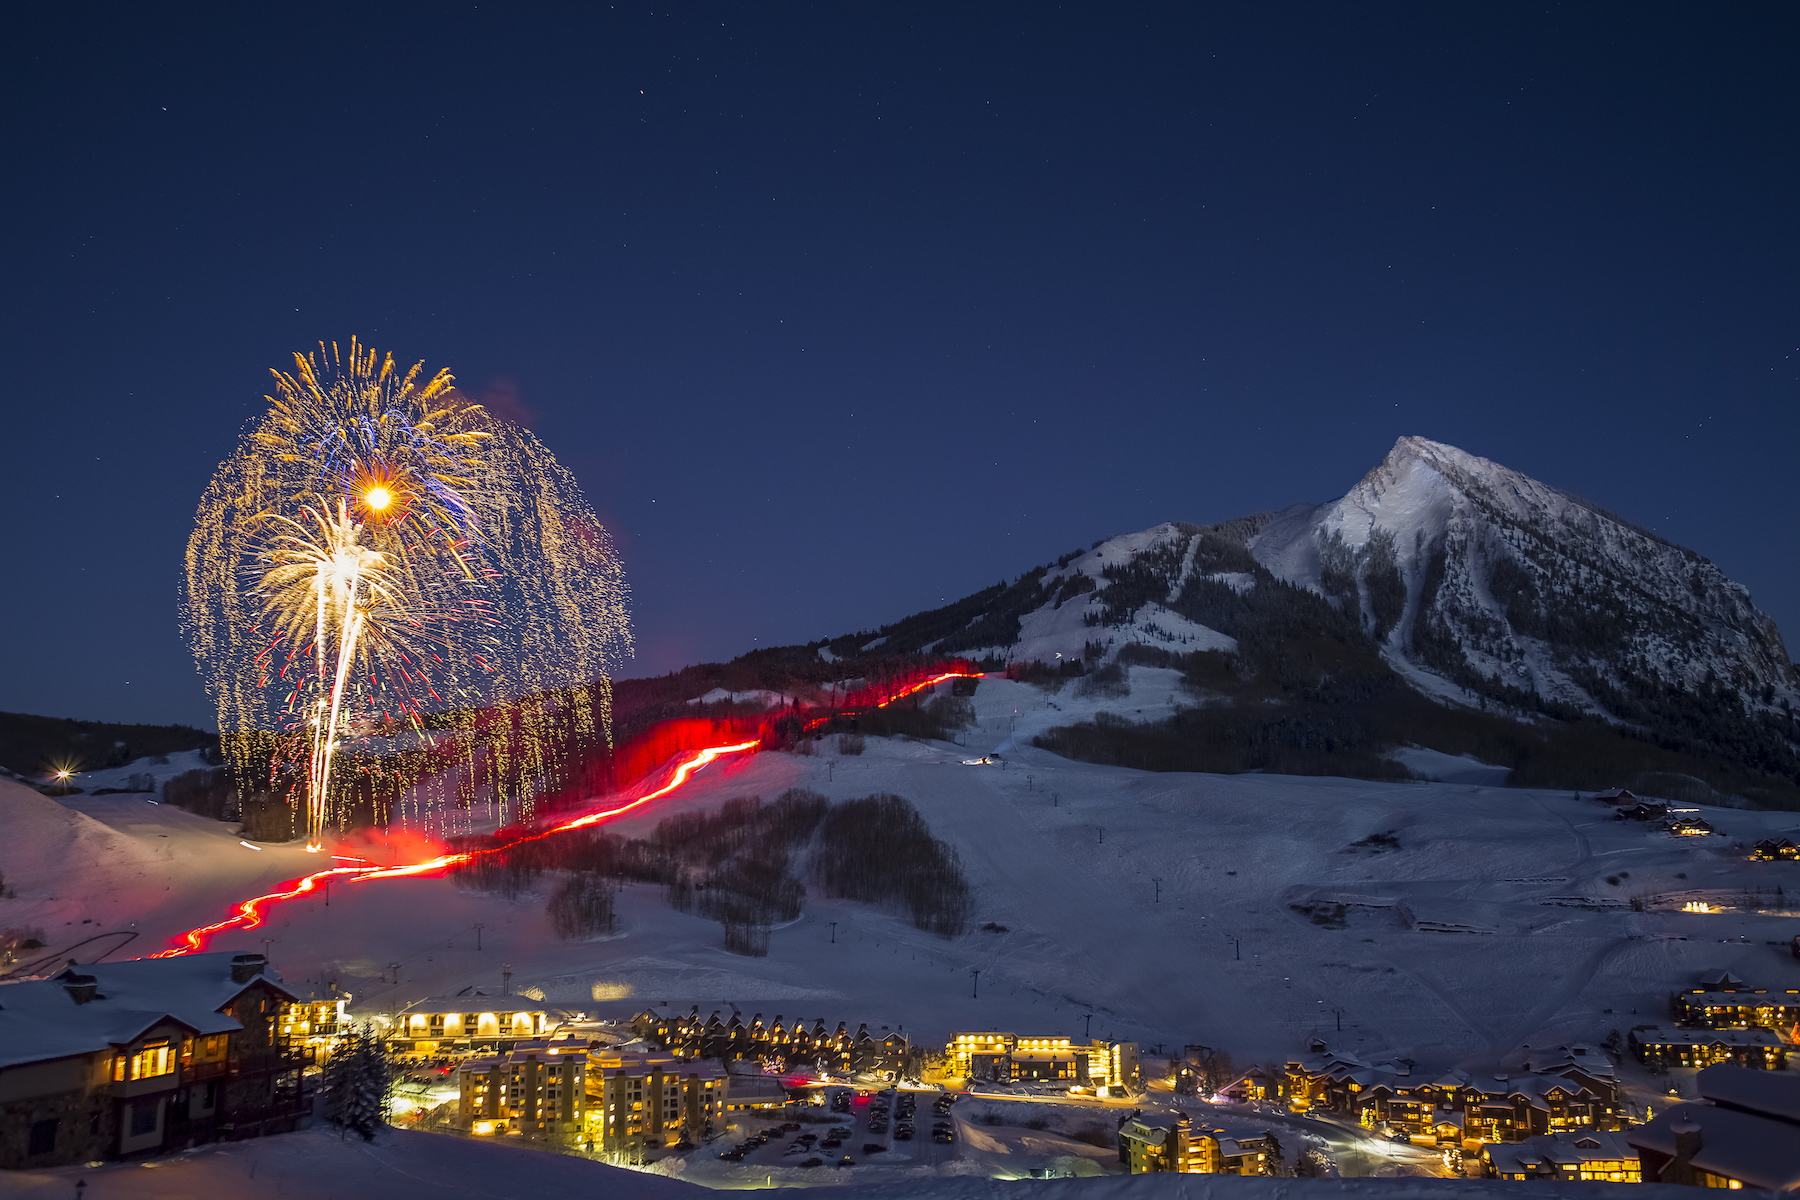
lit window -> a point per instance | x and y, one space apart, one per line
156 1058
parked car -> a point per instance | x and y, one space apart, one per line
813 1162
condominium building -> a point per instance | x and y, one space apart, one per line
638 1100
535 1090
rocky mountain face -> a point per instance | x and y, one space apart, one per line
1473 584
1486 579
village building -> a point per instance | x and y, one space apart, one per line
1643 812
1576 1154
1776 850
114 1059
1005 1057
1744 1133
1615 796
1663 1046
536 1090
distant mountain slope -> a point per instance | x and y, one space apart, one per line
1473 583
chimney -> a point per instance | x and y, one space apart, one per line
1687 1139
245 967
81 987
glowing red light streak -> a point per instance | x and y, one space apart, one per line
249 914
932 682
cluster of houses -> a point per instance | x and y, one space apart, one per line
781 1045
1682 822
1775 850
1558 1119
153 1055
1004 1057
1560 1088
1743 1132
1721 1021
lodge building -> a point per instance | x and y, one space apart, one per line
1014 1058
463 1026
114 1059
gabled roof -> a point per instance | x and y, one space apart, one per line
40 1020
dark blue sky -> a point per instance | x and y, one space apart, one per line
839 310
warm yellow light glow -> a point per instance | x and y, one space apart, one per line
1697 906
378 498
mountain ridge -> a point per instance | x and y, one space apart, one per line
1471 582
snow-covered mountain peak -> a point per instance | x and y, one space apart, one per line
1473 571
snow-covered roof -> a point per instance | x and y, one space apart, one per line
1759 1151
41 1020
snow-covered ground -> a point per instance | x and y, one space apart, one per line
1065 859
418 1166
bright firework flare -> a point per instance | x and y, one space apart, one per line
379 555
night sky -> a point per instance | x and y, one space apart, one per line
839 311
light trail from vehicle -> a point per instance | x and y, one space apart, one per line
249 913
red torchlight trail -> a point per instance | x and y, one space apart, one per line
249 914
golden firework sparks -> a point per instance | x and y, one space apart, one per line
380 554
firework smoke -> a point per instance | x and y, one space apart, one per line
381 555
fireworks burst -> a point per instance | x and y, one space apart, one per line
381 556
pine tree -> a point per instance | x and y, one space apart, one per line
357 1083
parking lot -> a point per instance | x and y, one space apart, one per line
854 1130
